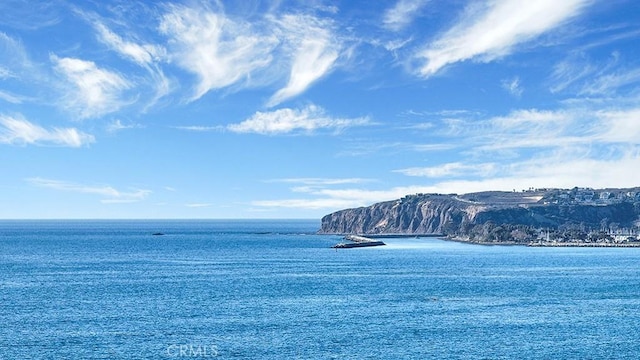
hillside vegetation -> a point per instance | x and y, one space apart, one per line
496 216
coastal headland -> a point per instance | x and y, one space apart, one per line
535 217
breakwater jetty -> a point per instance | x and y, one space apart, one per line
354 241
404 235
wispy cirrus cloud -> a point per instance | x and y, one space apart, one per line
513 86
19 131
610 83
92 91
148 56
573 146
311 185
315 50
334 199
555 171
322 181
570 71
367 147
587 77
225 52
331 193
5 73
143 55
433 147
545 148
28 15
198 205
284 121
118 125
14 60
453 169
519 129
617 126
534 128
110 194
218 50
402 14
564 168
11 98
308 204
488 32
199 128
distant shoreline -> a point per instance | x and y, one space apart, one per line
581 244
509 243
484 243
543 243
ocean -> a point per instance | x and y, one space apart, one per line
274 289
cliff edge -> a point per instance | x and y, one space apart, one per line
493 215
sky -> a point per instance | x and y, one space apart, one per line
295 109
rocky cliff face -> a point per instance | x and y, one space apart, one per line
453 214
415 215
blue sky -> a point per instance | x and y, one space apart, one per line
294 109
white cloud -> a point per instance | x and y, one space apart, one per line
421 126
433 147
570 71
94 91
197 205
488 33
394 45
520 129
574 146
120 201
315 54
226 52
322 181
324 193
22 132
117 125
592 78
334 199
556 129
402 14
141 54
312 185
15 63
618 126
217 49
610 83
199 128
308 204
513 86
146 55
30 15
559 171
110 194
11 98
287 120
450 170
12 55
5 73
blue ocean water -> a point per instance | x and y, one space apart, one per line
275 290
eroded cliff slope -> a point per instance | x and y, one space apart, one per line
462 214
